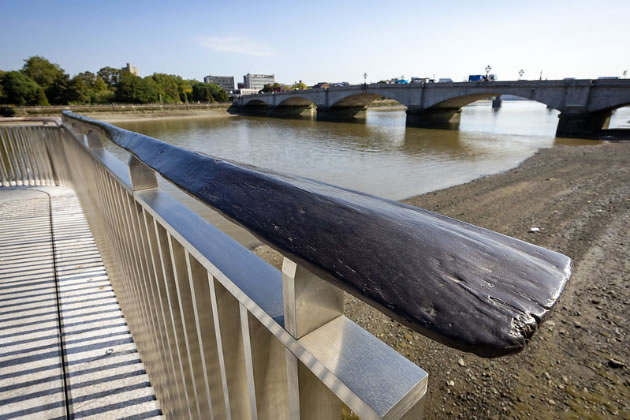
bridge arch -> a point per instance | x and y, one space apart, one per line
256 102
461 100
296 100
349 99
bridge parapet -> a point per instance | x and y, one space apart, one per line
586 103
223 333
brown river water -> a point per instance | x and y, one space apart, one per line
380 156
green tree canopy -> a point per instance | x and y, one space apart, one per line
208 92
185 89
168 87
42 71
134 89
298 86
51 77
88 88
269 87
19 89
110 76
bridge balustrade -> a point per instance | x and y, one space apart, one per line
225 335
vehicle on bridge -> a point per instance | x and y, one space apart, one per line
422 80
482 78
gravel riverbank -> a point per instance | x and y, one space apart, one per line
578 364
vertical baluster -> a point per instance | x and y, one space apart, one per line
40 150
28 138
27 173
270 376
230 338
184 298
206 335
249 365
131 266
159 354
5 165
172 379
14 156
149 350
176 322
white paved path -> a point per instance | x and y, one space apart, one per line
59 315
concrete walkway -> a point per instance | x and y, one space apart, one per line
65 350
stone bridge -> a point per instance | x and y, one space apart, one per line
585 105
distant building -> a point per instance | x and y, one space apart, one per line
258 81
131 69
226 82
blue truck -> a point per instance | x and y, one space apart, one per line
481 77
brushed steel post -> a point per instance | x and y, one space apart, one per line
309 302
142 177
94 140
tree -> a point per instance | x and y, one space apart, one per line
208 92
185 89
134 89
50 77
19 89
167 86
270 88
110 76
298 86
42 71
88 88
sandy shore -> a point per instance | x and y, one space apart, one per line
578 364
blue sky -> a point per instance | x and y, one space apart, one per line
323 40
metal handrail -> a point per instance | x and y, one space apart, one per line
222 334
461 285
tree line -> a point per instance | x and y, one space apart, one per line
41 82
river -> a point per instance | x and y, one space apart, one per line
380 156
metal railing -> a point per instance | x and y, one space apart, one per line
225 335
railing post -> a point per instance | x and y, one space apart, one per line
141 176
309 303
93 140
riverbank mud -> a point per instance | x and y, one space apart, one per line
578 364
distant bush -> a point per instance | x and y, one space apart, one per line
7 110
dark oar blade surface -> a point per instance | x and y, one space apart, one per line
462 285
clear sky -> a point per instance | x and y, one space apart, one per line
323 40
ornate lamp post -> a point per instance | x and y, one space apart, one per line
521 72
488 68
